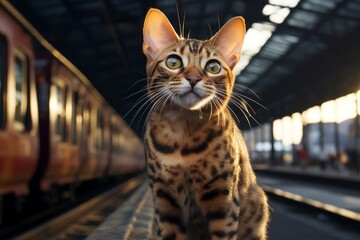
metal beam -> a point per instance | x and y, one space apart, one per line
106 11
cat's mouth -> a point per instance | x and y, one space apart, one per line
190 100
190 93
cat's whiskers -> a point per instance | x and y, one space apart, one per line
241 107
138 111
162 100
232 97
217 104
244 88
158 94
200 113
144 88
211 110
148 105
242 96
136 104
240 99
208 91
161 95
168 96
138 81
148 101
230 109
250 99
145 100
156 103
153 106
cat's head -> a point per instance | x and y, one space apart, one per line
189 73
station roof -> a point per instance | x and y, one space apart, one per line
297 53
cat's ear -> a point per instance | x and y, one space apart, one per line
158 33
229 40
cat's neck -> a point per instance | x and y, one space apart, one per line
179 116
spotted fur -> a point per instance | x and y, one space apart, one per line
197 162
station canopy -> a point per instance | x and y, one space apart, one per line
296 53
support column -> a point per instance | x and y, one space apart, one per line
337 137
357 125
272 150
321 137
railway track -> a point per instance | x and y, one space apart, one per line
129 217
133 220
315 194
82 220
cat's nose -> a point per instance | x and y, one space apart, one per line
193 78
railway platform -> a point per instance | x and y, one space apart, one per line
311 171
133 219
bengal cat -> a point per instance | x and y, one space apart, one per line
197 162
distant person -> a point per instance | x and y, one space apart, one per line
343 160
303 157
353 160
323 158
334 161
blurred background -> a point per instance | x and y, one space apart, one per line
77 117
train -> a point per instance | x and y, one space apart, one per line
56 130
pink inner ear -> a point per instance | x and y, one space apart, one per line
229 40
158 33
233 59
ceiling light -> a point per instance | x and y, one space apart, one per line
280 15
284 3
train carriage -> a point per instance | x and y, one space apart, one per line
56 131
19 141
60 152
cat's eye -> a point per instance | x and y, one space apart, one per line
173 62
213 66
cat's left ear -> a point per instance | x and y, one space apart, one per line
158 33
229 40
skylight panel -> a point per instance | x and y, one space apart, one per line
320 5
255 38
260 33
285 3
276 14
303 19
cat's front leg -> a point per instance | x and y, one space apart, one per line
168 213
221 209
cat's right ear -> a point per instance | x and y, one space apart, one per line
158 33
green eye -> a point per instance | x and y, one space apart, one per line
213 66
173 62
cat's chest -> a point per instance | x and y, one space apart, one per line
173 146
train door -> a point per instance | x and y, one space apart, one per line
18 139
100 142
84 138
18 122
114 147
3 74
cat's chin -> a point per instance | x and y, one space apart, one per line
191 101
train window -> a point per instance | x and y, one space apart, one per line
60 101
3 60
99 130
21 79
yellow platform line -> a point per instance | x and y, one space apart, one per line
314 203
